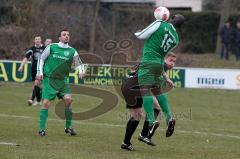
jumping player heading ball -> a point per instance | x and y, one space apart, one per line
160 38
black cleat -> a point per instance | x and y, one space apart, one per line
153 129
42 133
70 131
170 127
127 147
146 140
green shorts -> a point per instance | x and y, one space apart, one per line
52 88
150 74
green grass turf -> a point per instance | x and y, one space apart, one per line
207 128
207 61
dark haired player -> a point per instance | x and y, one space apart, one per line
54 67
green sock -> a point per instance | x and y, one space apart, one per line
148 108
68 115
43 118
163 102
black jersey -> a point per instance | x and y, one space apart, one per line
34 52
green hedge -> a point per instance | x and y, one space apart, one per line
199 33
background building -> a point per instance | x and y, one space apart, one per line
193 5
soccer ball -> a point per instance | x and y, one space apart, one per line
161 13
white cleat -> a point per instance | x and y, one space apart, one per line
30 102
35 103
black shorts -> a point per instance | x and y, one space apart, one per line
131 93
34 73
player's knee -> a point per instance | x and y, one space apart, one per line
36 83
136 114
140 114
68 100
135 117
46 104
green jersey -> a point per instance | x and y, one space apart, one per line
55 65
160 42
58 61
160 38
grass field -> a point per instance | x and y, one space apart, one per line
210 60
207 128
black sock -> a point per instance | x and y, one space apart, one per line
130 129
145 128
38 93
156 113
34 92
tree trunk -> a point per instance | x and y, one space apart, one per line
93 28
113 24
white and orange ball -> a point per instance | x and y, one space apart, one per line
162 13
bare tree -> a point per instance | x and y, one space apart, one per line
93 28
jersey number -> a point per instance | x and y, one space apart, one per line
167 42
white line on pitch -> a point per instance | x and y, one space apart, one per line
122 126
9 143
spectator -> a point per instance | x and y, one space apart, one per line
226 38
236 38
47 42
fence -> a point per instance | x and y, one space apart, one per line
113 75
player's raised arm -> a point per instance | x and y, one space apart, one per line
148 31
24 61
168 80
79 65
41 60
28 54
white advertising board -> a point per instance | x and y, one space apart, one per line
212 78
